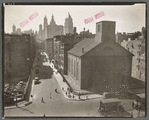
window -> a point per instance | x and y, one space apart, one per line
68 64
109 27
132 46
139 53
140 75
98 28
77 70
71 66
138 60
139 46
138 66
74 68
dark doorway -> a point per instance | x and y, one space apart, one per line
90 81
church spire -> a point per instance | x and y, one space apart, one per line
52 22
69 15
45 19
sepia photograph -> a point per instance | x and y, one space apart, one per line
74 60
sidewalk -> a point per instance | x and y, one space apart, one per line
68 95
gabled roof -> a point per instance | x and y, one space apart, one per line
87 44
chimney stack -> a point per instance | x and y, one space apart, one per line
105 30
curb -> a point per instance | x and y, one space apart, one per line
19 105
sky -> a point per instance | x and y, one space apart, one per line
128 18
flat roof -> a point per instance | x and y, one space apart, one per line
110 100
141 95
105 21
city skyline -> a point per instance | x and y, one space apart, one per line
132 15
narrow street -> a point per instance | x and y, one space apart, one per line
57 105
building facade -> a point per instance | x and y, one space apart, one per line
56 53
49 30
126 36
68 25
137 48
49 47
96 64
18 57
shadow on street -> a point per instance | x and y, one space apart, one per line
25 109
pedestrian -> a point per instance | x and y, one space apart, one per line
56 90
42 100
63 89
50 96
79 95
131 115
73 96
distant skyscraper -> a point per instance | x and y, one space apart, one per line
45 27
49 31
68 25
13 29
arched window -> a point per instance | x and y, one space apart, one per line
109 51
68 64
74 69
107 80
123 79
77 71
71 66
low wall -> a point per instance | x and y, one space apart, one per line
28 89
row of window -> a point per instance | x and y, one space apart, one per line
107 80
138 67
73 68
133 46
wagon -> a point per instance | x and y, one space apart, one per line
107 105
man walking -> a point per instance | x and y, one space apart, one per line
56 90
50 96
42 100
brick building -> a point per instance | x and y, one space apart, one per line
125 36
19 52
137 48
66 44
49 47
56 53
96 64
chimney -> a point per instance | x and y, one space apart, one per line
74 30
105 30
82 50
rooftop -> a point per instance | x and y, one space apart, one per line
87 44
